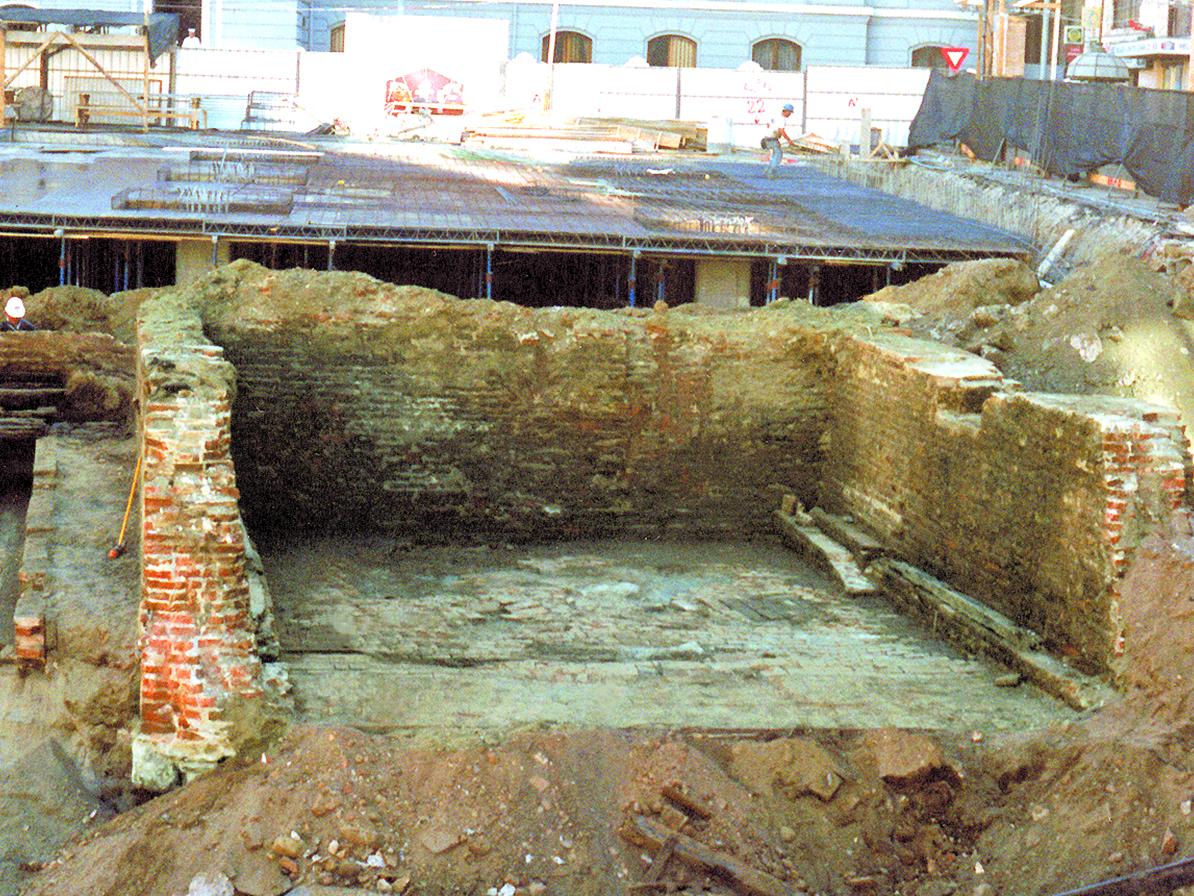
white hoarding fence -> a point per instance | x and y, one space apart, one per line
838 95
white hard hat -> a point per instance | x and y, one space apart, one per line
14 307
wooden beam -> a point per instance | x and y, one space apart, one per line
3 106
745 879
41 48
99 68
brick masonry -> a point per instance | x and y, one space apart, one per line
1032 503
427 416
95 370
35 576
399 409
202 683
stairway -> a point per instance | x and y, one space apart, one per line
28 405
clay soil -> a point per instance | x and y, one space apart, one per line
843 812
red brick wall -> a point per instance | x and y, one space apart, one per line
1031 503
198 643
29 616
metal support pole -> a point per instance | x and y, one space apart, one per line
633 277
331 255
215 250
127 263
61 234
814 284
489 271
772 281
661 285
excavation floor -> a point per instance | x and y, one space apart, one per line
449 642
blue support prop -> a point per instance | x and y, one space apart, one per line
772 281
489 271
62 259
633 277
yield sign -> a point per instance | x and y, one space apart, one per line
954 57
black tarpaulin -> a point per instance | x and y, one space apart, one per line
163 26
1067 128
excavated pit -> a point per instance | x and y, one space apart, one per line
476 517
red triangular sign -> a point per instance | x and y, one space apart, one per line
954 57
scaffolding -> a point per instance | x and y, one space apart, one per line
95 64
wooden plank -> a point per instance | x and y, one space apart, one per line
24 398
861 544
973 626
826 552
744 878
684 801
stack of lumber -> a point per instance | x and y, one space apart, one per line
593 134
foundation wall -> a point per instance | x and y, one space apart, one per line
201 676
1031 503
94 368
445 418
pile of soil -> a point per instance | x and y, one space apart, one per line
961 287
543 813
77 309
1108 328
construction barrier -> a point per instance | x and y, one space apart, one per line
1067 129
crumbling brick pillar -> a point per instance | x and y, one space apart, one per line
202 687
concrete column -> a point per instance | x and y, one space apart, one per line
192 259
723 282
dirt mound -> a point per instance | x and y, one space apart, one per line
542 813
964 286
1108 328
75 309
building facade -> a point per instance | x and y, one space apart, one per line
708 34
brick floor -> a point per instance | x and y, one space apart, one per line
443 641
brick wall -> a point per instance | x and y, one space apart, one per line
202 684
1032 503
96 370
29 615
444 418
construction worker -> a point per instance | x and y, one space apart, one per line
777 135
14 317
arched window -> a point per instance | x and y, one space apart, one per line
777 55
336 38
571 46
672 50
928 57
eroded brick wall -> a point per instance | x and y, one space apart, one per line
405 410
1032 503
201 677
95 370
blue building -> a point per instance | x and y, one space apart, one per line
780 36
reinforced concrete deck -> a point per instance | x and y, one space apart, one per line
330 189
450 642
